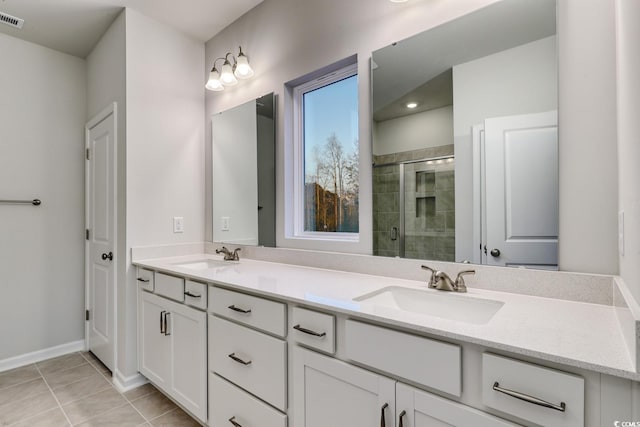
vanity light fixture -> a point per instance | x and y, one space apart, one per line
412 105
229 74
398 1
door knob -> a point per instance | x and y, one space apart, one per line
108 256
495 253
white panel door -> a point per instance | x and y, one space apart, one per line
101 226
329 392
521 158
416 408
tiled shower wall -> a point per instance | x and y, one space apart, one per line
429 205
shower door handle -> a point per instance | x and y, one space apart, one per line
394 233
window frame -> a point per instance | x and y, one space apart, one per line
298 156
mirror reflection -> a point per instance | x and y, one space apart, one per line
243 163
465 140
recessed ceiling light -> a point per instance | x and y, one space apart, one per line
412 105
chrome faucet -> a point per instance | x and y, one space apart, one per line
228 255
441 281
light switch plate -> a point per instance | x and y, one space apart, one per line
225 223
178 224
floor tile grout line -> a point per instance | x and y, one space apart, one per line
22 382
104 413
110 380
100 371
163 414
54 396
134 406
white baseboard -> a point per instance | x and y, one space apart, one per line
124 384
40 355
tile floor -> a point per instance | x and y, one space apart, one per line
75 389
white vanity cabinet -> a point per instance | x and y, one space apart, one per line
330 392
247 360
172 350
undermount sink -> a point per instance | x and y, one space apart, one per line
461 308
204 264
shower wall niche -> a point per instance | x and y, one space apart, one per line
414 205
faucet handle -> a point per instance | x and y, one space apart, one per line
460 285
236 257
432 280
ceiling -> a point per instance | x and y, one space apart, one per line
75 26
404 70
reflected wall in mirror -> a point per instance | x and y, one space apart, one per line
243 163
465 139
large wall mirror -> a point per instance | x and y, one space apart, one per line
243 165
465 146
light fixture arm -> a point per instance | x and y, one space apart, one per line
214 63
227 74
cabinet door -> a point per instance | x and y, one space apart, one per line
188 330
154 346
328 392
416 408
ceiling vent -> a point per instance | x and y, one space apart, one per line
11 20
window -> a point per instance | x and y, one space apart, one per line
326 155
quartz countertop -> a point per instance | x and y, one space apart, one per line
577 334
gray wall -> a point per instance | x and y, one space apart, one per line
106 83
42 116
587 137
628 57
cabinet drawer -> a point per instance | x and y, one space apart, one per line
195 294
252 360
425 361
313 329
228 402
260 313
169 286
502 376
145 279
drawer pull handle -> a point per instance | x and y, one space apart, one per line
309 331
166 322
530 399
162 324
140 279
400 417
382 422
232 420
237 359
238 309
189 294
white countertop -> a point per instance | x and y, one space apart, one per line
577 334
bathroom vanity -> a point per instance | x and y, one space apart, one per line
301 346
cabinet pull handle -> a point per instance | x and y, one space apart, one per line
237 359
400 417
238 309
382 422
162 324
166 329
140 279
189 294
232 420
309 331
562 407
